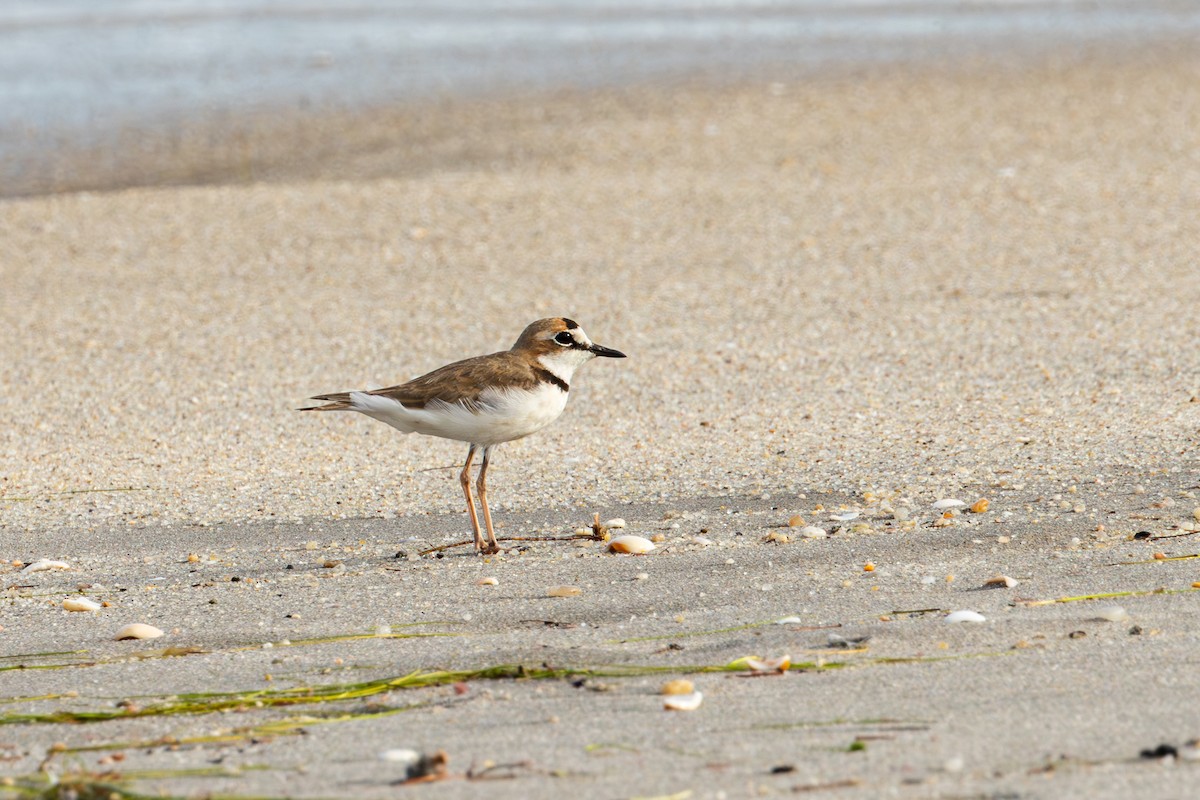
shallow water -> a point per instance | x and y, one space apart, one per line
74 73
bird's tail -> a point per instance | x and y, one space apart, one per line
339 401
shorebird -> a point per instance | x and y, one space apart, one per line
484 401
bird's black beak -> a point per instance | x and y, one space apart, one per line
606 352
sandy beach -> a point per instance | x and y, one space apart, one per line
867 290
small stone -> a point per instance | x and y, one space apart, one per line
812 532
980 506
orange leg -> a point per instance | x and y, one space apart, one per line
481 485
465 479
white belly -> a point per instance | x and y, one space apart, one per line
498 417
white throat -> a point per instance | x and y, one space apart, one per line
563 364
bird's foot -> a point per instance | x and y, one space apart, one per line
490 549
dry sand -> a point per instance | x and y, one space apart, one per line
866 290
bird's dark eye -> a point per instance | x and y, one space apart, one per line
564 338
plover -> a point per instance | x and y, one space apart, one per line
484 401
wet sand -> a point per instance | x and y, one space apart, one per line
870 290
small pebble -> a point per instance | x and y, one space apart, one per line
813 532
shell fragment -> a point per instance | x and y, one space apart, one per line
80 604
682 702
768 665
965 616
633 545
45 564
564 591
948 503
677 687
1112 614
138 630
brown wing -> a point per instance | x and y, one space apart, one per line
460 382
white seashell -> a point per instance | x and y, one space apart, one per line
584 532
1112 614
80 604
615 522
682 702
702 541
845 516
965 616
789 621
812 532
400 755
779 664
44 564
138 630
1000 581
488 581
950 502
636 545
